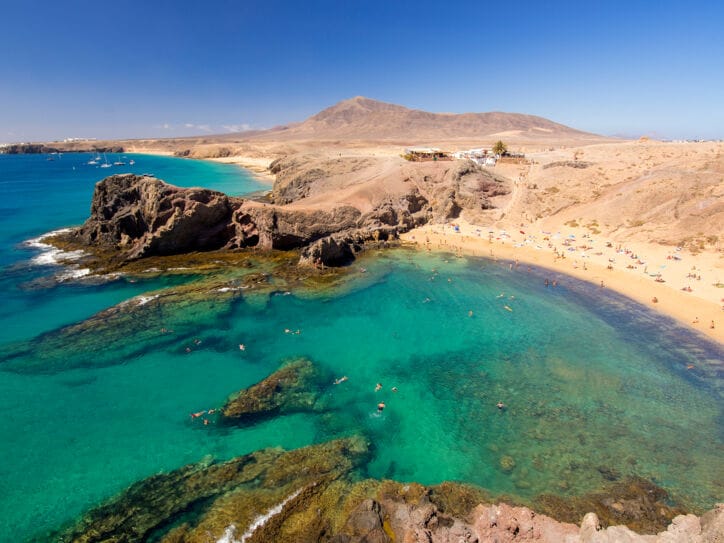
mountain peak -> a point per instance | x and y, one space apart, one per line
360 117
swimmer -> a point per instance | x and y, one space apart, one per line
501 295
380 407
378 387
470 313
211 411
394 389
341 380
197 415
242 347
188 349
197 341
287 331
206 422
500 405
164 330
508 308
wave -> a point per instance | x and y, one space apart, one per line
230 532
52 256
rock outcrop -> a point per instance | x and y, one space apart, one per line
289 389
140 216
312 494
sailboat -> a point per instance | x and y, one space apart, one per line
105 164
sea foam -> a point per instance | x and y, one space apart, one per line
230 532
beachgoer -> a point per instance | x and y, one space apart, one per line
695 321
378 387
380 407
340 380
470 313
508 308
500 405
242 347
394 389
188 349
711 325
655 300
206 422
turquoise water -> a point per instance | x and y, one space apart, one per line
595 386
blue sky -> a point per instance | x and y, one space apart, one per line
171 68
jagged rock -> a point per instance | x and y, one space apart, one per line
289 389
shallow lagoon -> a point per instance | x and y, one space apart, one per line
596 388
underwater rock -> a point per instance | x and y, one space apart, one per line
507 463
287 390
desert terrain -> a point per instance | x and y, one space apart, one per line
644 217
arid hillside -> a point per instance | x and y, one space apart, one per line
664 193
361 118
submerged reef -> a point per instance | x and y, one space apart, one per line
166 318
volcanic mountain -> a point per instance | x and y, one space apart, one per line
362 118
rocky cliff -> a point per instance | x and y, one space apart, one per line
327 207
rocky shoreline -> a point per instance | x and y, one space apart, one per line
320 493
136 217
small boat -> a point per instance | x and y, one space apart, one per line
132 162
105 164
119 163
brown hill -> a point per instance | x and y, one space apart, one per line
362 118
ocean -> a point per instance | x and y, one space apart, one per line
595 386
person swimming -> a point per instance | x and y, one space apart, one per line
341 380
380 407
394 389
378 387
242 347
500 405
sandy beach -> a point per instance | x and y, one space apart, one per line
259 167
640 271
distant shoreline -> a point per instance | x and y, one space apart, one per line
257 167
683 306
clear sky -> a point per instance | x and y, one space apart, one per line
161 68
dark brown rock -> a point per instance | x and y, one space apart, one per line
291 388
